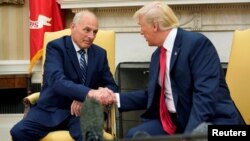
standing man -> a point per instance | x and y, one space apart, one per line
74 69
186 85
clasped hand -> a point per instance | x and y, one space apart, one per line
104 95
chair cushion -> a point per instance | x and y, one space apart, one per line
58 136
64 135
108 136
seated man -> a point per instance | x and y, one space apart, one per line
187 88
74 69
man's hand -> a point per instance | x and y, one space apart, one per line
76 108
104 95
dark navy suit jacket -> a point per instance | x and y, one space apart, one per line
198 86
62 82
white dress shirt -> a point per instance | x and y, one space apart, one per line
168 45
78 54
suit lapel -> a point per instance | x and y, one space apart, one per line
174 55
92 59
176 49
154 71
155 65
73 56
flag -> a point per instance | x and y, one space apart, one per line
45 16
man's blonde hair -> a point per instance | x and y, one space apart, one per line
158 12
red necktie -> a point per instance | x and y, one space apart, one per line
166 121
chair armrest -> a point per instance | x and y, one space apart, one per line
110 123
29 100
107 136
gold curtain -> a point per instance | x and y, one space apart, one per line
11 1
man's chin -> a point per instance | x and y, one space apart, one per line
150 44
86 46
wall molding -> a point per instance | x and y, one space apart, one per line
194 15
69 4
8 67
14 67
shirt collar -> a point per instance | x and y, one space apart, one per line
169 41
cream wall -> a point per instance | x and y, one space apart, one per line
14 38
14 32
138 50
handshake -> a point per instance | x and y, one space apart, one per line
103 95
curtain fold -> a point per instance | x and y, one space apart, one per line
12 1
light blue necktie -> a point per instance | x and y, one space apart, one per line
83 65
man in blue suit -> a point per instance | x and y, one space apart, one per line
64 90
194 88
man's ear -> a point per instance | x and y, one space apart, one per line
72 25
155 26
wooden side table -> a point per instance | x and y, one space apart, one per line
12 81
13 88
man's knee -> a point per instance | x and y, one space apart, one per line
131 133
16 133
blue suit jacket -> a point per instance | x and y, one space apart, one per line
198 86
62 80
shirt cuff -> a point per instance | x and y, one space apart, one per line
118 100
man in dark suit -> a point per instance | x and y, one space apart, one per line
64 88
193 87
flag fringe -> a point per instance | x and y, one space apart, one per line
34 60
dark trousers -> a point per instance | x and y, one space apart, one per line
26 130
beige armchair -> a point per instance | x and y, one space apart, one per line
238 72
105 39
